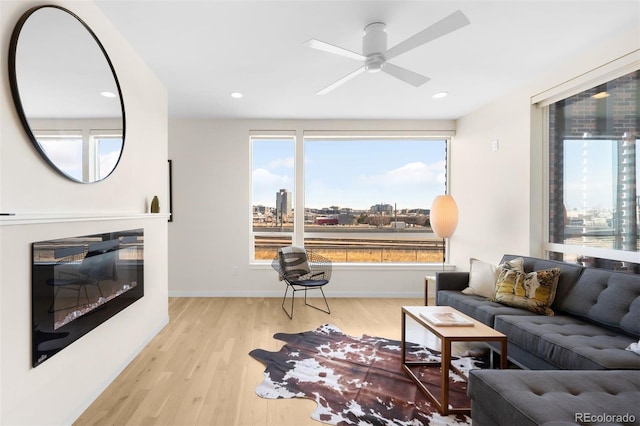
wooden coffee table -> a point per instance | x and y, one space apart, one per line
478 332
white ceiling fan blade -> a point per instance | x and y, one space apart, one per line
326 47
443 27
413 78
341 81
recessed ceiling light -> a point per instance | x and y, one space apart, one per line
600 95
440 95
236 95
108 94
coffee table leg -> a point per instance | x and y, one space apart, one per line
503 354
445 364
403 338
426 291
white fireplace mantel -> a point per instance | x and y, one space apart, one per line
40 218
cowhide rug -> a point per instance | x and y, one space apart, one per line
358 380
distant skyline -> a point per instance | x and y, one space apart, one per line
408 173
352 173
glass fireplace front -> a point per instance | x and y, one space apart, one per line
80 282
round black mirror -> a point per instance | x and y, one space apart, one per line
66 93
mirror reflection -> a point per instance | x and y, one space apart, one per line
67 93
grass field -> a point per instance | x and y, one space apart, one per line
369 255
387 246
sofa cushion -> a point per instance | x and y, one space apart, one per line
513 397
533 291
609 298
569 343
477 306
569 274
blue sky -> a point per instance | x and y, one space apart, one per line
353 173
589 174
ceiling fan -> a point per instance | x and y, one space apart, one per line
375 53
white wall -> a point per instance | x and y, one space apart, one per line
210 233
492 188
500 194
59 390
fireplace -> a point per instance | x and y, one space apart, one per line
80 282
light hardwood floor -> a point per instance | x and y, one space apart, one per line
197 370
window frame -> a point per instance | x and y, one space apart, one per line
608 72
265 135
93 151
298 234
89 149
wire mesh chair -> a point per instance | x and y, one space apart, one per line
302 269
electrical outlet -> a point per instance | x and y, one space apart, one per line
495 145
235 270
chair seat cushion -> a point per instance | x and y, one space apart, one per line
309 283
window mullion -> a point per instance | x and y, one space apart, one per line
298 223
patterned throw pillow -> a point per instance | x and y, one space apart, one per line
534 291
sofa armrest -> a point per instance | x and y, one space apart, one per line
452 281
456 281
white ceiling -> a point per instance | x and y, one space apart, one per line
204 50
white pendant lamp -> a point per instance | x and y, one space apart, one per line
444 219
444 216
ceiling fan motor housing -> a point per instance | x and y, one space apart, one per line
374 40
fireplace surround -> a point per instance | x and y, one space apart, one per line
80 282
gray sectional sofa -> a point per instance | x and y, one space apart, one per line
596 317
554 398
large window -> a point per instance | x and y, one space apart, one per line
593 175
365 199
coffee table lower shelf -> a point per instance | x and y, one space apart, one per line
479 332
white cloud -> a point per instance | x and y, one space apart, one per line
266 178
108 162
412 185
65 155
278 163
411 173
266 184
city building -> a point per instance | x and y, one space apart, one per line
283 205
382 208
